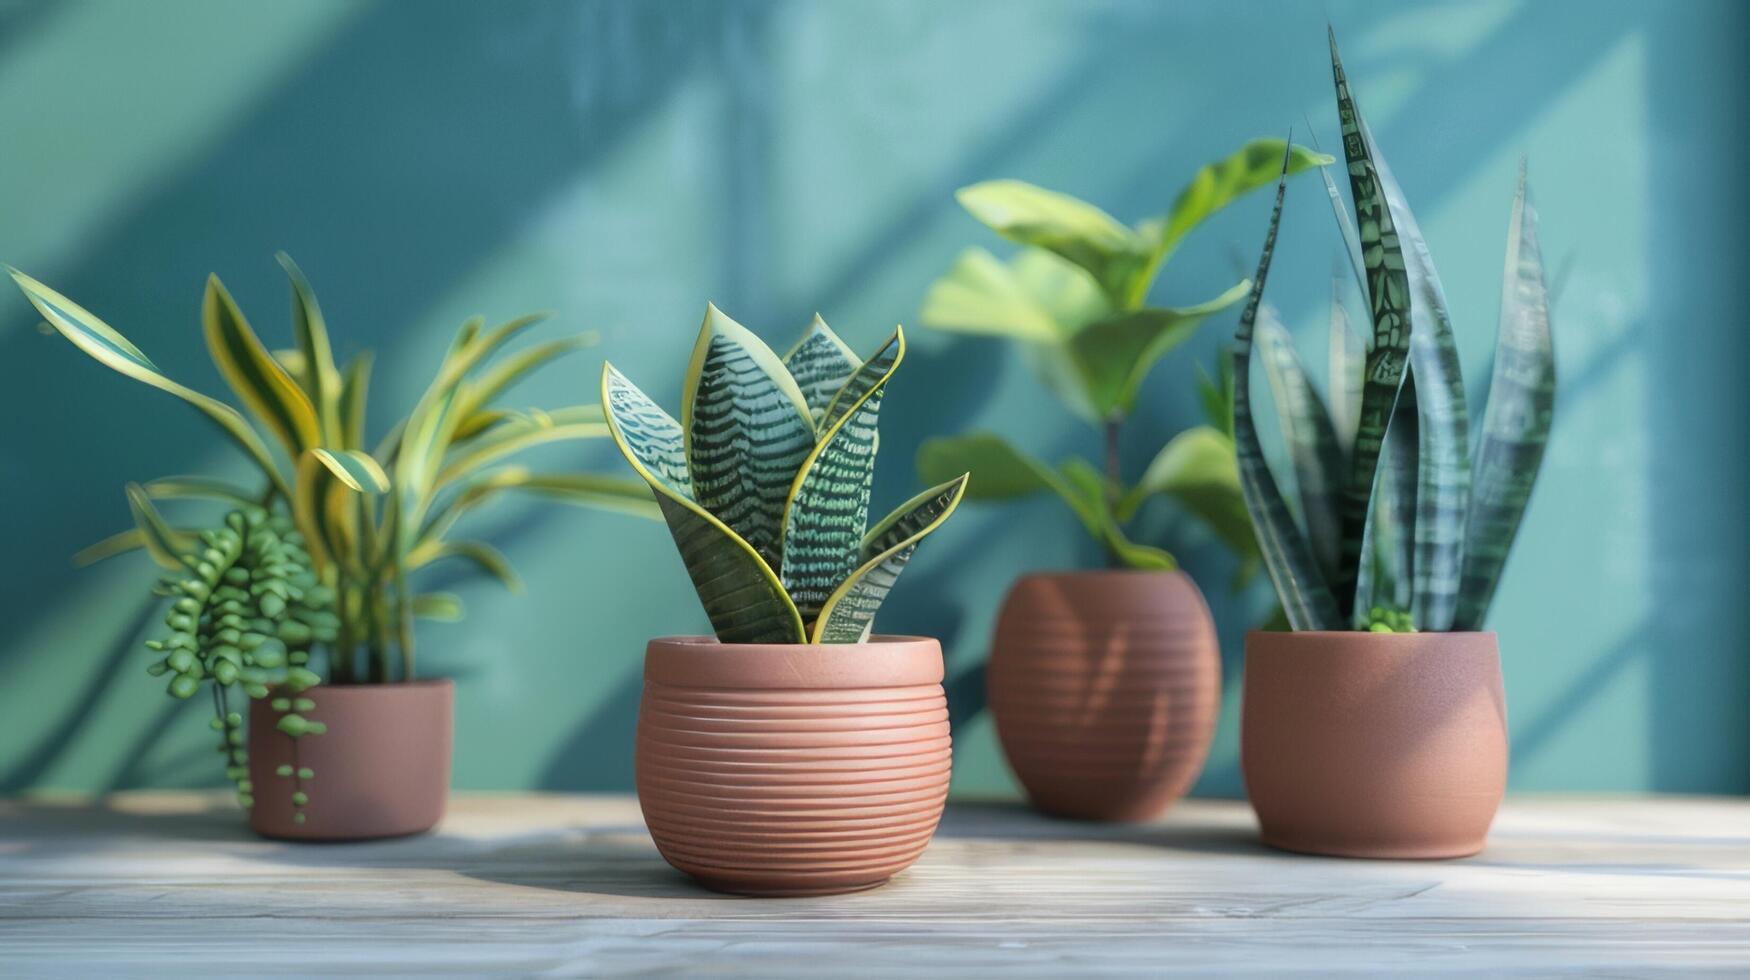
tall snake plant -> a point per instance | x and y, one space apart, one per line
318 554
1406 527
765 482
1074 298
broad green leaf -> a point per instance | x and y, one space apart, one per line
1095 491
820 363
109 348
320 378
848 614
1218 184
827 508
483 556
200 487
1197 469
1443 426
1066 291
981 294
519 433
1312 442
164 543
1517 418
1288 557
354 396
999 472
1344 385
1074 229
744 600
1217 393
256 378
1116 354
747 428
441 607
1388 293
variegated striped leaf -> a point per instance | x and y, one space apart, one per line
320 378
828 508
821 363
109 348
743 598
1343 387
1312 442
747 428
849 613
264 387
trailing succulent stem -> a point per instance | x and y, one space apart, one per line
1422 532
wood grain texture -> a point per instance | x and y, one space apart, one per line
165 883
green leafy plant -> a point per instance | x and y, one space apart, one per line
765 482
318 554
1074 298
1403 529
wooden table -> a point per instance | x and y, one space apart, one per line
171 883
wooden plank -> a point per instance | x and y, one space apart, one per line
571 885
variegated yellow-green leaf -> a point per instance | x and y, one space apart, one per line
849 612
109 348
115 544
477 395
747 427
1116 354
1080 232
519 433
828 504
357 470
354 394
319 510
320 378
820 363
587 489
200 487
744 600
164 543
442 607
265 387
485 557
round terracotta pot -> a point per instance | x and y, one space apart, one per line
382 769
1105 687
792 769
1375 745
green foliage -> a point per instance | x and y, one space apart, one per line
765 482
1418 548
1074 298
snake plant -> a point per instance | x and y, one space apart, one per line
1406 527
344 524
765 482
1074 297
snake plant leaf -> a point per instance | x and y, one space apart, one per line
477 395
1116 354
1516 419
1030 215
354 394
1443 428
848 614
1388 293
1197 470
820 363
1288 557
320 378
827 509
1344 385
264 387
1312 442
1219 183
1216 394
109 348
520 433
744 600
747 428
999 472
440 607
482 555
982 294
164 543
1387 573
200 488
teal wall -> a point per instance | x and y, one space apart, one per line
624 162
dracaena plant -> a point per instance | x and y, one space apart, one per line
316 553
765 482
1075 298
1405 526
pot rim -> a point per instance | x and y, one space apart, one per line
882 661
1422 636
389 688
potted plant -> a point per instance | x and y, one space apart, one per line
1104 685
1377 728
794 752
310 568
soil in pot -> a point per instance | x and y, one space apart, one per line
382 768
1105 686
1375 745
792 769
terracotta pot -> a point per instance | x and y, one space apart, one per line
1377 745
1105 687
792 769
382 769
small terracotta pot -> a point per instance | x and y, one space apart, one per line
792 769
382 769
1375 745
1105 687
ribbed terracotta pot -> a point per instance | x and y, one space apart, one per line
1105 687
1374 745
792 769
382 769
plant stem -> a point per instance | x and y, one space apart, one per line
1114 480
404 618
